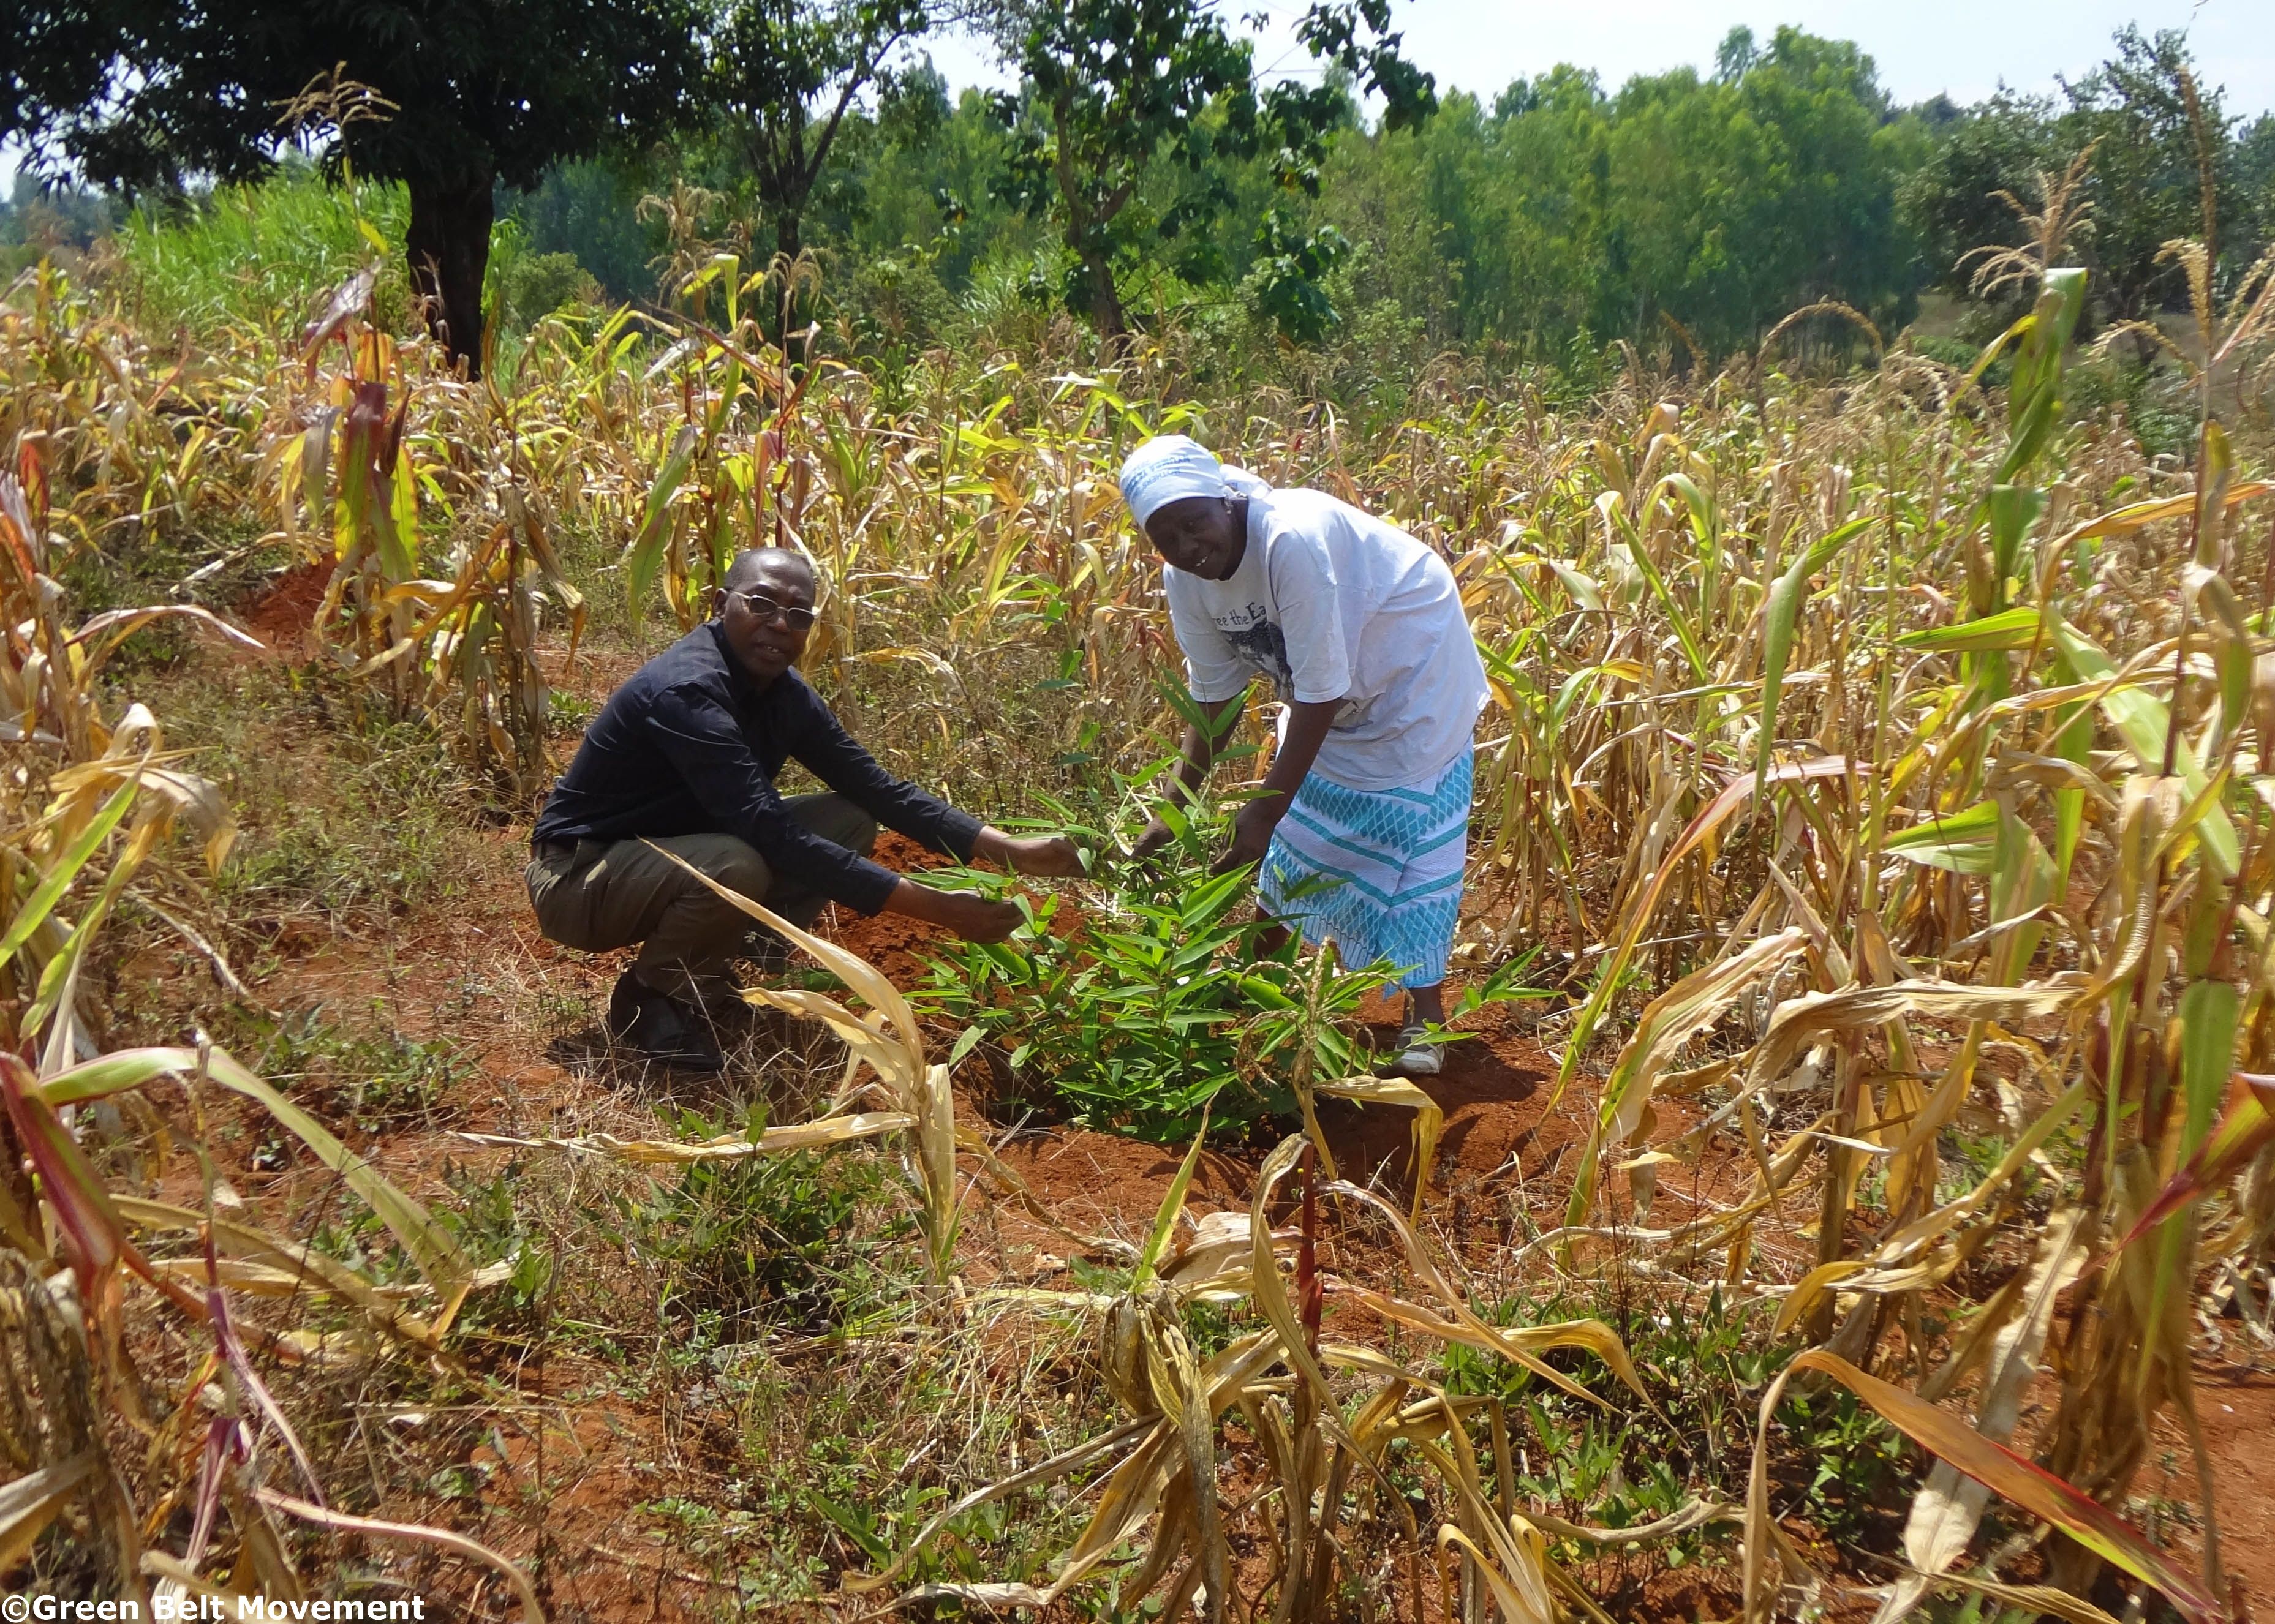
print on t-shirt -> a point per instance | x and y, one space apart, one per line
1263 644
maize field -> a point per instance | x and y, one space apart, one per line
1872 846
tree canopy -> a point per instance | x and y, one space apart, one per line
1111 87
1144 164
785 74
463 95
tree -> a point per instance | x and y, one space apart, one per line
1113 87
2142 113
787 73
2158 143
1952 199
476 93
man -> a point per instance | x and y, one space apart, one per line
1361 825
685 754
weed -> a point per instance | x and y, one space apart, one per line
794 1241
1705 1368
378 1083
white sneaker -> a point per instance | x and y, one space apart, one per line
1417 1058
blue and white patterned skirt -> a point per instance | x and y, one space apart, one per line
1376 871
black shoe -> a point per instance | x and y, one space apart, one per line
658 1029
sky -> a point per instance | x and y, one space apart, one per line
1961 48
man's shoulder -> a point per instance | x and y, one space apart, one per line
694 661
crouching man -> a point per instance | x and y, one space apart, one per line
685 755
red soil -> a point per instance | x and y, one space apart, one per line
283 614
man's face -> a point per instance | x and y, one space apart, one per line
756 614
1201 535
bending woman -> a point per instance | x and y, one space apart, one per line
1361 826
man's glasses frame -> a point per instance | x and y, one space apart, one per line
766 608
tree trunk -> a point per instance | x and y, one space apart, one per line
448 244
1105 312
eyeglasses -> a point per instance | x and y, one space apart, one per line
766 608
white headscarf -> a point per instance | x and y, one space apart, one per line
1169 468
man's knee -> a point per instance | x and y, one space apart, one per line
737 864
836 820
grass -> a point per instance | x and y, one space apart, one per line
351 820
1839 757
260 257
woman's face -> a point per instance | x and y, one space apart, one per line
1201 535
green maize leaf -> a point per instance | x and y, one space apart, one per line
2140 720
55 979
2243 1130
2073 741
1584 591
1784 611
2008 628
1964 842
2013 508
646 557
1164 1220
2021 881
398 532
2215 475
2034 400
1684 633
2233 651
2208 1014
1703 522
41 902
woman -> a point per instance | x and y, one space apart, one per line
1361 826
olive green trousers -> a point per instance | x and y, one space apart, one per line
598 894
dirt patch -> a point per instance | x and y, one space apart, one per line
2237 1406
283 613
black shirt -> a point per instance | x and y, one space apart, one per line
690 745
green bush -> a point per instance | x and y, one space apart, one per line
1157 1008
791 1240
532 286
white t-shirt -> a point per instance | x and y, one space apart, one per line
1332 603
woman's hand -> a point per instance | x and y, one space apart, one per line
1251 833
1049 857
1155 836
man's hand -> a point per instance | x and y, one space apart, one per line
1050 857
973 918
1251 833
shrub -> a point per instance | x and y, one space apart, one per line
266 257
1157 1008
534 285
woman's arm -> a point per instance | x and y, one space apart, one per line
1252 826
1196 755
